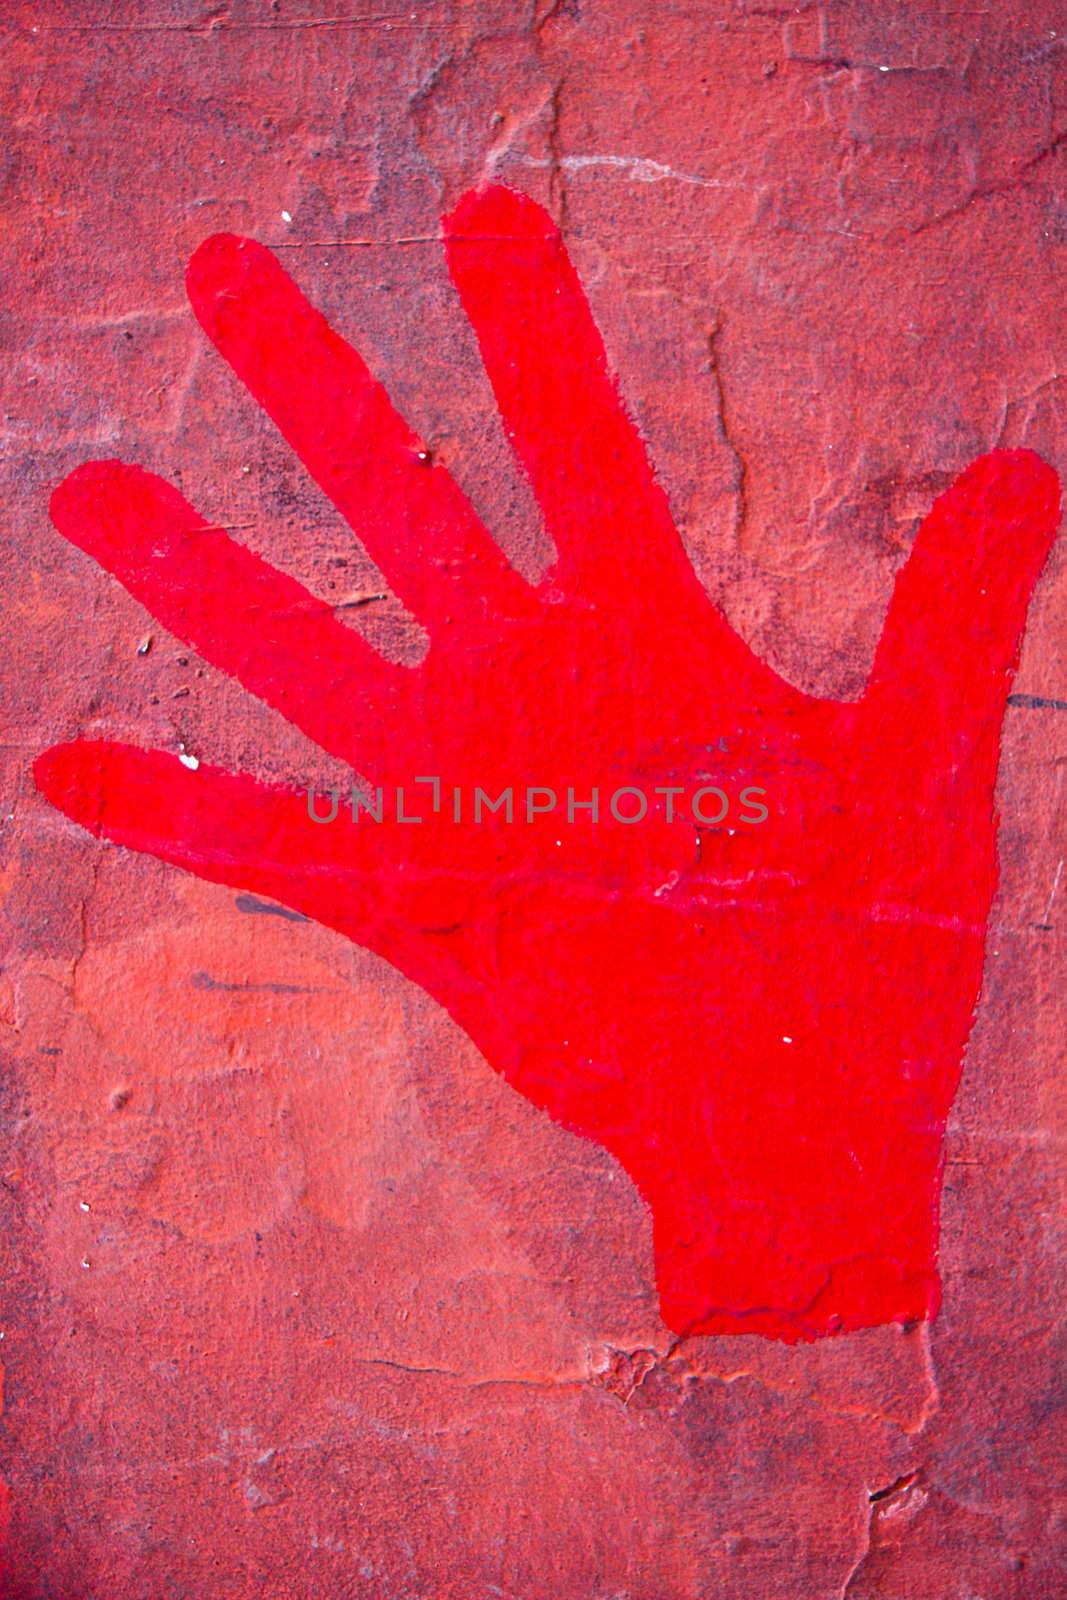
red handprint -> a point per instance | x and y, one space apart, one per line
764 1024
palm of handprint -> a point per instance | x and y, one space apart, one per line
765 1025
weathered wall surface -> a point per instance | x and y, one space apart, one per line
300 1298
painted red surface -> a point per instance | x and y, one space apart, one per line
763 1023
298 1296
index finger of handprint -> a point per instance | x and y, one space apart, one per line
558 398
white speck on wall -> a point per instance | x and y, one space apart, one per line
286 217
786 1039
192 762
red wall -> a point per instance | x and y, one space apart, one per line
299 1297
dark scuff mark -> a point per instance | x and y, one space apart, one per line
204 980
1036 702
905 1481
248 903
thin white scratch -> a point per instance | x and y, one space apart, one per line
1055 885
639 168
930 919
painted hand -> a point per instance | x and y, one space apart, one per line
764 1022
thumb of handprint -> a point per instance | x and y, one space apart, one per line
761 1013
